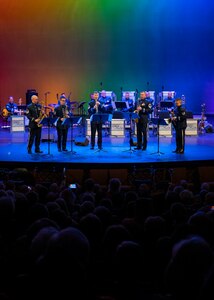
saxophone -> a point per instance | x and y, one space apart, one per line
172 118
42 115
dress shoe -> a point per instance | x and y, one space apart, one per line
175 151
65 150
181 152
38 151
143 149
100 148
137 148
29 151
92 148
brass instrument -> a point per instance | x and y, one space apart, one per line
65 112
97 103
42 115
137 119
5 113
172 118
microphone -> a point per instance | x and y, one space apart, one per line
47 93
147 86
101 83
162 87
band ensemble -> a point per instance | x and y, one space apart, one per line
101 107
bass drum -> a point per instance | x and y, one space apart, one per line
5 113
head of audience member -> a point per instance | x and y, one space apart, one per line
190 263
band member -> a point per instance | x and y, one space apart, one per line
61 112
67 100
169 97
11 107
35 114
95 106
106 101
144 108
129 101
178 118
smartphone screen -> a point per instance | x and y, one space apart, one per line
72 186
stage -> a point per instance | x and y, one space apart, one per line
116 152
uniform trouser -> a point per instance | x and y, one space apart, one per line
180 139
62 134
34 134
141 135
96 127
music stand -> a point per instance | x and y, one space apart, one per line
70 122
101 118
158 122
48 121
121 105
166 104
129 116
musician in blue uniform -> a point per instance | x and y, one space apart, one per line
11 107
130 102
106 102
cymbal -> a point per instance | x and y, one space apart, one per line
52 104
73 102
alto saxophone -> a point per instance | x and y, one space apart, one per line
42 115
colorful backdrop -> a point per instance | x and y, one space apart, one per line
79 46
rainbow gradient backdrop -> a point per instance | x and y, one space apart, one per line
75 45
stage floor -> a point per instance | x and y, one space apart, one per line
116 151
